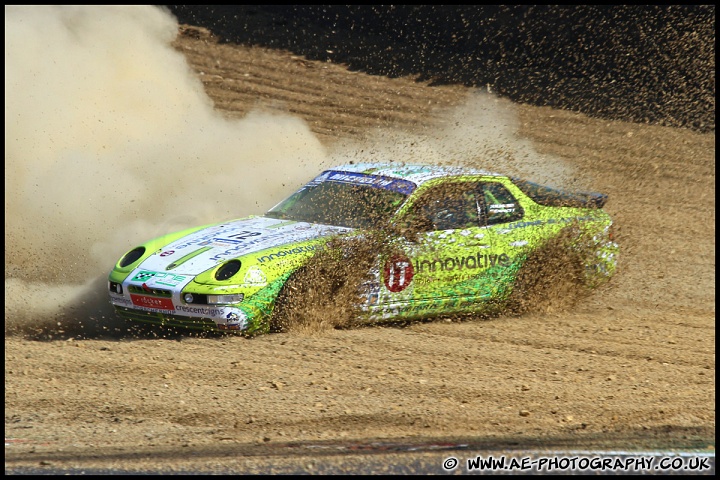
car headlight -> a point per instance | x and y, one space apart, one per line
116 287
225 299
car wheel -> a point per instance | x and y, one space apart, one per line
313 299
552 278
325 292
286 308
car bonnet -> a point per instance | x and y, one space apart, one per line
204 249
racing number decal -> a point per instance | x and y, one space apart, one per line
244 235
399 273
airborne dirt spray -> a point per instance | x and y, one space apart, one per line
110 140
481 133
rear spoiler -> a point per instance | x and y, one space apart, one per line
552 197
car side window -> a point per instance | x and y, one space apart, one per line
447 207
500 205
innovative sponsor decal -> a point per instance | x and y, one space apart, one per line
477 261
284 253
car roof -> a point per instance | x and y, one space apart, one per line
416 173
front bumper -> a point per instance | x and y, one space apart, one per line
167 320
249 318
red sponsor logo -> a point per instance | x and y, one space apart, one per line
398 272
152 302
165 254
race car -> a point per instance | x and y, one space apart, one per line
452 240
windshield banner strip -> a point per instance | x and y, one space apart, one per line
394 184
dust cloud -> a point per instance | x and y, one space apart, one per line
112 140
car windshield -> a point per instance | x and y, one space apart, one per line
340 204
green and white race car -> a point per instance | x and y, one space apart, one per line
451 240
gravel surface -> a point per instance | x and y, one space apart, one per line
631 367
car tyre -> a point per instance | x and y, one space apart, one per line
552 278
325 292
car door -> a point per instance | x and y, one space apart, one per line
507 231
437 263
